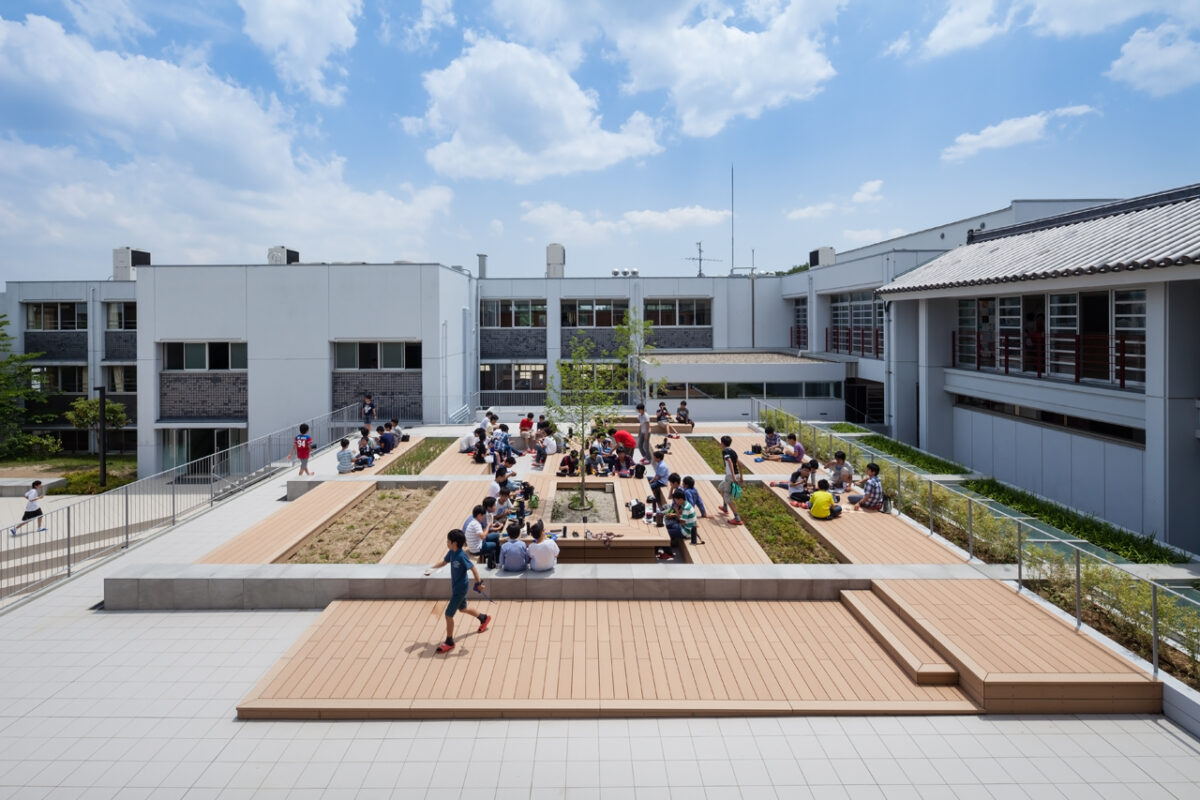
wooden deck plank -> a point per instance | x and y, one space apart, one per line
698 657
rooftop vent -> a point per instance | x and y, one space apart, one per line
482 264
633 272
126 260
282 255
556 260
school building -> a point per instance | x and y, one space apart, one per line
1079 384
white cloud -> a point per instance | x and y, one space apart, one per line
1083 17
900 46
1010 132
714 72
815 211
209 176
107 19
1159 62
496 227
301 37
966 24
435 14
869 192
570 224
511 112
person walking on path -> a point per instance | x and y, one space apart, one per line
733 478
643 440
302 449
460 564
368 411
32 509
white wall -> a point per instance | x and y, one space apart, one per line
1094 476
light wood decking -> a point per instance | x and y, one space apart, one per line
365 659
452 462
1014 656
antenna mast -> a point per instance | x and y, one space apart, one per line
731 261
700 259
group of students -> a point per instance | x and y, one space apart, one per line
821 496
492 440
379 442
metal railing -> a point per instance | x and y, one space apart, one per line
1082 579
865 342
54 545
1077 357
799 337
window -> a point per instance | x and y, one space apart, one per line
817 390
506 377
198 356
785 390
685 313
122 316
1129 330
122 380
1064 324
68 380
56 316
376 355
512 313
1054 419
706 391
600 313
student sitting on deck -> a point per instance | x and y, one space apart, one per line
595 464
693 495
681 520
663 417
622 463
514 555
480 542
821 505
543 553
872 497
772 443
793 453
841 474
569 466
797 486
682 415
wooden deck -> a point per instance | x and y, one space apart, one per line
867 537
723 543
1014 656
452 462
279 535
774 468
376 659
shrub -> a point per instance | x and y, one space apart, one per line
775 527
847 427
1138 549
911 455
88 482
420 456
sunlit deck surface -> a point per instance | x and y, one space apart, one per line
937 646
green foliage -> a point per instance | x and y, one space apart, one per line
88 482
1138 549
420 456
17 395
710 450
795 268
911 455
847 427
632 336
85 414
25 446
584 397
774 526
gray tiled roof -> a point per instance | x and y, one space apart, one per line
1159 230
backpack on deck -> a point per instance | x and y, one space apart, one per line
639 471
637 510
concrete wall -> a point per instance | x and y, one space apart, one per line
1095 476
513 343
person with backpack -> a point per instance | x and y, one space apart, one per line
732 485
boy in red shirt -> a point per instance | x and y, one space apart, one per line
302 449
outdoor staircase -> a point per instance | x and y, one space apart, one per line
912 653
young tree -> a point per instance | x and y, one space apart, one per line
85 414
583 397
633 348
18 393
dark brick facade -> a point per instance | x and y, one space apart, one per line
58 345
605 339
202 395
514 343
120 345
130 403
682 338
397 393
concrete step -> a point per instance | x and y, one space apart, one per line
920 661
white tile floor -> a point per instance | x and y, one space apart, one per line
99 705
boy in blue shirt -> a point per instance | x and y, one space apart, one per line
459 564
693 495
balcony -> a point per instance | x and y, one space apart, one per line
1064 357
865 342
799 337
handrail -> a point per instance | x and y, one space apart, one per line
54 545
945 505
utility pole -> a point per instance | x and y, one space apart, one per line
700 259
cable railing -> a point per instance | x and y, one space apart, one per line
865 342
1159 622
53 546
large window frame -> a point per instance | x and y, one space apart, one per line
60 379
589 312
392 355
512 376
56 316
204 356
121 379
121 316
512 313
675 312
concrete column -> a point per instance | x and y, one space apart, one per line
938 318
902 358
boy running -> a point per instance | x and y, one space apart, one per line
302 449
459 564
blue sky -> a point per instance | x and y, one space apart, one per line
352 130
